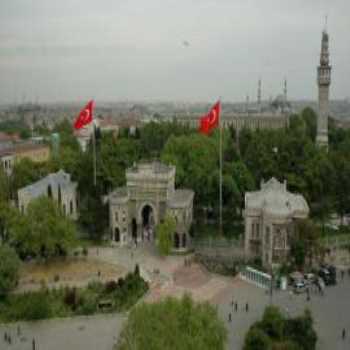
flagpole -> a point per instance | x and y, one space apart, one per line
220 175
94 151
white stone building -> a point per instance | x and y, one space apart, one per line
270 216
57 186
150 194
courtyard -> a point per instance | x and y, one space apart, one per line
172 277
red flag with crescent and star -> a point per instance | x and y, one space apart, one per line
211 120
85 116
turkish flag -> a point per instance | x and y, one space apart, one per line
211 120
85 116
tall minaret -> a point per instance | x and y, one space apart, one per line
259 95
324 81
285 90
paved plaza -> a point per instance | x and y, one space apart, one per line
171 276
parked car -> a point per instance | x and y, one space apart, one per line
299 287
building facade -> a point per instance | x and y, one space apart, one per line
324 82
150 195
270 218
57 186
35 152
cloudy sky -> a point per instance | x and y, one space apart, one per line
188 50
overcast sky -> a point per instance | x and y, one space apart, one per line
116 50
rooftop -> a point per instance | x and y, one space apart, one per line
274 199
181 198
151 168
60 179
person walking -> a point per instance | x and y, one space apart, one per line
230 317
236 306
246 307
33 344
343 334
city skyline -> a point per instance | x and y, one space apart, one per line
113 51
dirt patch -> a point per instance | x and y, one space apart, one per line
68 270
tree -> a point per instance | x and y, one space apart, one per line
47 232
165 231
273 322
10 222
341 164
276 332
4 186
25 172
173 324
256 339
306 242
9 269
300 330
198 156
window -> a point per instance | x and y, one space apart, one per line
49 191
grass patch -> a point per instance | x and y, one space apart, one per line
97 297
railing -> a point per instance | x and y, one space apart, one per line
337 241
217 243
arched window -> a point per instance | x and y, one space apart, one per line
49 191
59 195
184 240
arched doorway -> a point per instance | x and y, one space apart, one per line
148 221
49 191
134 230
184 242
117 234
176 240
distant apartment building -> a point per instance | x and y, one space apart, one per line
35 152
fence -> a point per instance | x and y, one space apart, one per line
256 277
338 241
226 248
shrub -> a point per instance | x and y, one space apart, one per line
137 270
111 286
71 298
9 266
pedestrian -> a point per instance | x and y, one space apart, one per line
246 307
236 306
33 344
230 317
343 335
232 303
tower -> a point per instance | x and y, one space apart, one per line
259 96
285 96
324 81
